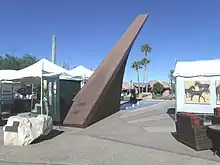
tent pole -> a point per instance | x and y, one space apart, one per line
32 93
82 82
41 86
41 97
1 100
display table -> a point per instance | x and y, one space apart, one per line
22 105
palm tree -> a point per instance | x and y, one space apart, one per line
145 62
146 49
136 65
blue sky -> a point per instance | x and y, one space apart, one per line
87 30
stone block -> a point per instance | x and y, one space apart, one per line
23 130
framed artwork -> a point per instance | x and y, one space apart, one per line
197 92
217 88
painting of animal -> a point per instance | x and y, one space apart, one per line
203 86
189 91
217 90
197 92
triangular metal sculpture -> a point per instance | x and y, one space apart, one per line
100 97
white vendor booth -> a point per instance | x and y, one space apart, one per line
54 81
7 89
57 89
34 72
81 72
197 86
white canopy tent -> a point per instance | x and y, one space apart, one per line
6 88
203 71
82 72
7 74
35 73
197 68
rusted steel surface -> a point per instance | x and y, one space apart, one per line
100 97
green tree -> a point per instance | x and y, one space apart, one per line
145 48
172 80
27 60
16 63
145 62
10 62
136 65
157 88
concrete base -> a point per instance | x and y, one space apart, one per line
23 130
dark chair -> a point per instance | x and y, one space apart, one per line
192 132
216 117
213 134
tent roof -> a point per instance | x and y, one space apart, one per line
45 66
197 68
7 74
81 71
63 76
34 72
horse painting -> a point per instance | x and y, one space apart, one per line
191 93
218 92
189 90
197 88
204 87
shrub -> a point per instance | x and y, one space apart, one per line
157 88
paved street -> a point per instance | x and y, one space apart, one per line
141 137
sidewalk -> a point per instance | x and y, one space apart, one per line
141 137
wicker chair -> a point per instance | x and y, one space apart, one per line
192 134
215 135
216 117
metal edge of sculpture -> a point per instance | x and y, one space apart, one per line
100 97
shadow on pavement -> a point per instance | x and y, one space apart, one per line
51 135
171 113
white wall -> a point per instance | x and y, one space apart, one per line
196 108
